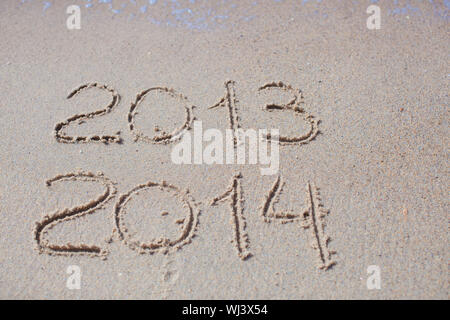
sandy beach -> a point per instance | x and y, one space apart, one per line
91 113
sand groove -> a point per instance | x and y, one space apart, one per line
164 245
269 213
235 194
311 217
315 222
50 220
230 101
295 106
61 137
163 137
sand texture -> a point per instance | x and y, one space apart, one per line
89 118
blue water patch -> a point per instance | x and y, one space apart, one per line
406 9
210 15
47 5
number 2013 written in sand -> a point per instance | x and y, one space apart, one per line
310 217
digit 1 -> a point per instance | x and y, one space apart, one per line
234 195
229 101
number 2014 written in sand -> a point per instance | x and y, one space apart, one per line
310 217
